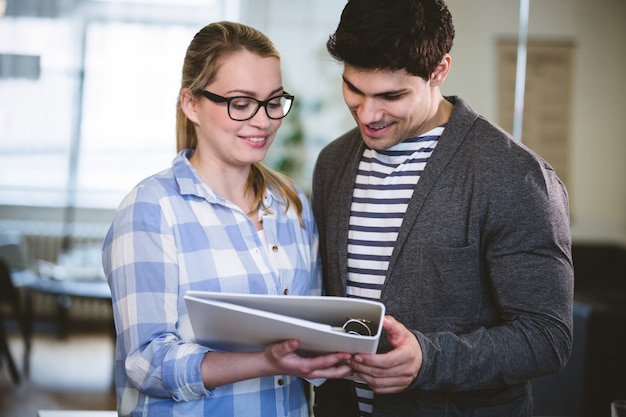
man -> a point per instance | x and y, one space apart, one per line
462 232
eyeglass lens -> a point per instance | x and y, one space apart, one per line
244 108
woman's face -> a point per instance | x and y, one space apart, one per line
231 142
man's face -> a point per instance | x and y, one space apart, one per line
389 106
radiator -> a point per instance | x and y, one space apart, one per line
45 239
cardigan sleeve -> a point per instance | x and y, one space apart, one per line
519 326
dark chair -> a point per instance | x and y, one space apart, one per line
593 377
9 296
14 251
14 256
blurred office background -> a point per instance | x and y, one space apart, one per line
88 88
87 101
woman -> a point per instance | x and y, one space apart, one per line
208 223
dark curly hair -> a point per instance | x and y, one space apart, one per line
413 35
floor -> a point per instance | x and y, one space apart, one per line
75 373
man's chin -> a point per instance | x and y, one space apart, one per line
377 143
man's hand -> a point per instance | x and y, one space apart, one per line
393 371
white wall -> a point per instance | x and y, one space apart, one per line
300 29
598 145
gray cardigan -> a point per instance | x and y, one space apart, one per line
481 271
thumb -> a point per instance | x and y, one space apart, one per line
289 346
395 330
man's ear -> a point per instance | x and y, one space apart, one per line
188 105
441 72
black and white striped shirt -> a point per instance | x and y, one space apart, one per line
384 185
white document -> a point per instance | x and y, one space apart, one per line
249 322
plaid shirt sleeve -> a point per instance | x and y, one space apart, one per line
172 234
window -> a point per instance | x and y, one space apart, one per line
87 98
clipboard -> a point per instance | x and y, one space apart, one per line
248 322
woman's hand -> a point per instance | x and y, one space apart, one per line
283 357
221 368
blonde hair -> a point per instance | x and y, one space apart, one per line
205 53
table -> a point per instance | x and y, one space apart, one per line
64 290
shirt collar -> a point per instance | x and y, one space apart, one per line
189 182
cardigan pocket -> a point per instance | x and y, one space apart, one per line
450 283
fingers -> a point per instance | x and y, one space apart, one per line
387 386
287 347
332 359
334 365
395 370
384 380
396 332
285 358
332 372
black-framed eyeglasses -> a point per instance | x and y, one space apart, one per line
241 108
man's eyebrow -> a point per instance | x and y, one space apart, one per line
351 86
382 94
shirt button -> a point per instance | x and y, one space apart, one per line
281 382
274 248
286 291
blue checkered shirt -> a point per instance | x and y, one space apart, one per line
172 234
